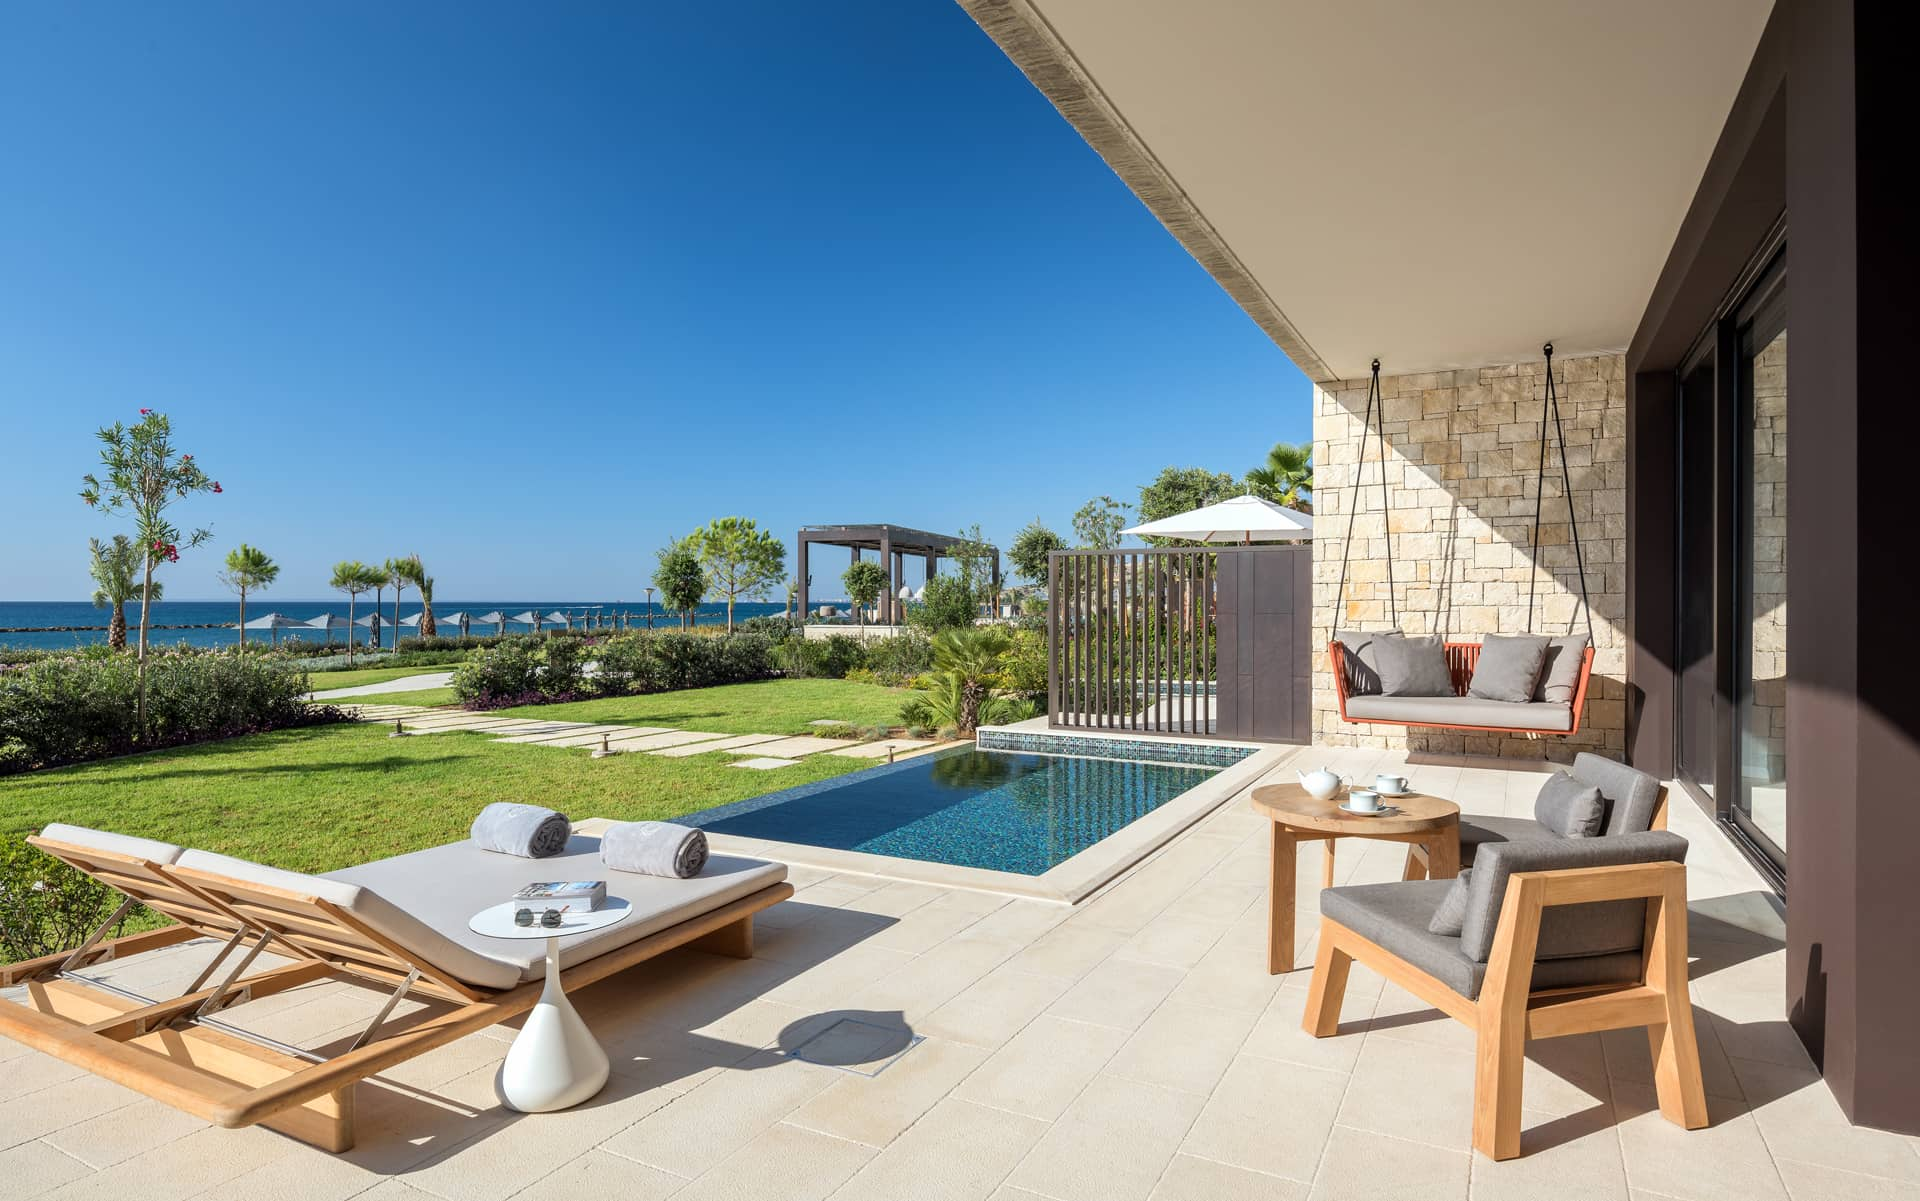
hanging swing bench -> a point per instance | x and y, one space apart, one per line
1558 698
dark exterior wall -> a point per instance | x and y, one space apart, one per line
1821 128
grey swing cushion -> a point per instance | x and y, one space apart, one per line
1414 666
1508 667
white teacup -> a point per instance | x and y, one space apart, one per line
1363 800
1390 785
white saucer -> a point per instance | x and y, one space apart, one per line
1382 811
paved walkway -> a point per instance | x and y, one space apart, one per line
760 752
419 683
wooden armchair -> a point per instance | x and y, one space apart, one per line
1564 936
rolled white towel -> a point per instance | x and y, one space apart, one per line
524 830
654 849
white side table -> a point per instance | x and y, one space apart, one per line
554 1062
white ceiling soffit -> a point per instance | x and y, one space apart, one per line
1440 184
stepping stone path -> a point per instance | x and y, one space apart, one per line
760 752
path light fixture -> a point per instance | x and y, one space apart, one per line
399 730
604 750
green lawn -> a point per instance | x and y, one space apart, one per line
319 799
419 696
768 707
321 681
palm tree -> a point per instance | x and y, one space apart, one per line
354 577
1286 475
423 584
971 661
248 570
115 568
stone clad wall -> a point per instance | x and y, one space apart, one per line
1462 450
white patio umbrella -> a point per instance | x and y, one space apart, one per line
272 621
494 618
459 619
326 622
1243 519
528 617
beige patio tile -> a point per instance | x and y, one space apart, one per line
1119 993
600 1174
995 1007
29 1072
124 1133
1112 1143
1726 1161
1021 921
59 1106
926 926
1232 975
1043 1068
1800 1120
1628 1057
31 1169
180 1168
302 1176
1221 902
1812 1182
958 1152
933 979
1278 1035
1173 939
688 750
1360 1166
1189 1178
700 1128
1183 1047
783 1163
833 980
806 744
897 898
875 1110
1269 1117
1070 950
636 740
1570 1158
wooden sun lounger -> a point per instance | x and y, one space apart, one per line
177 1051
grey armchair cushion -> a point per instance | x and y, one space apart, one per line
1362 661
1560 674
1477 831
1630 794
1508 667
1566 931
1414 665
1569 807
1396 917
1453 907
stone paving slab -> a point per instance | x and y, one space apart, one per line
878 750
724 744
563 731
648 742
764 763
793 748
592 737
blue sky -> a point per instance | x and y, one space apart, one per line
529 289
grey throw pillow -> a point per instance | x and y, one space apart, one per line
1451 917
1413 665
1561 675
1361 659
1508 667
1568 807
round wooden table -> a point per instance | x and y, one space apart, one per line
1299 817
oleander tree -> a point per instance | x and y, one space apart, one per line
115 568
864 580
143 476
741 560
1098 523
1030 549
248 569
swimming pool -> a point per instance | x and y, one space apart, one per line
1005 811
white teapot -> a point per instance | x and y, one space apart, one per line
1321 785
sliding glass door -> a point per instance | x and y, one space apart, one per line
1760 683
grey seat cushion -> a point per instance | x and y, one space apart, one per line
1396 916
1570 808
1414 665
1508 667
1461 711
1566 931
150 849
444 886
1476 831
1560 675
1361 660
1630 794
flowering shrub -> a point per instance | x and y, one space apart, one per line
829 658
527 672
72 708
46 906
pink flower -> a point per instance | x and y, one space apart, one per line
217 487
144 412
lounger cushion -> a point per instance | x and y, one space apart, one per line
1361 657
1560 676
1396 917
445 886
1570 808
151 849
1461 711
1414 665
1566 931
392 919
1630 794
1508 667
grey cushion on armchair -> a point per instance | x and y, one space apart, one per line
1566 931
1627 794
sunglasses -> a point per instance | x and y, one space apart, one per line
549 918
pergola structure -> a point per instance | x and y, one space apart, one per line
892 543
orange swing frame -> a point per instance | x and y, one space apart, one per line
1461 657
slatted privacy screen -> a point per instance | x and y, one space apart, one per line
1197 641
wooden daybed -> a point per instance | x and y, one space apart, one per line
187 1050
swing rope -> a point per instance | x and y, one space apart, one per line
1353 510
1550 404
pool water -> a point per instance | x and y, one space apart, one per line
1004 810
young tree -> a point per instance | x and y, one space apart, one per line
946 603
1181 489
973 558
354 577
248 569
741 560
1286 478
1030 549
864 580
144 477
114 568
399 576
1099 522
680 579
